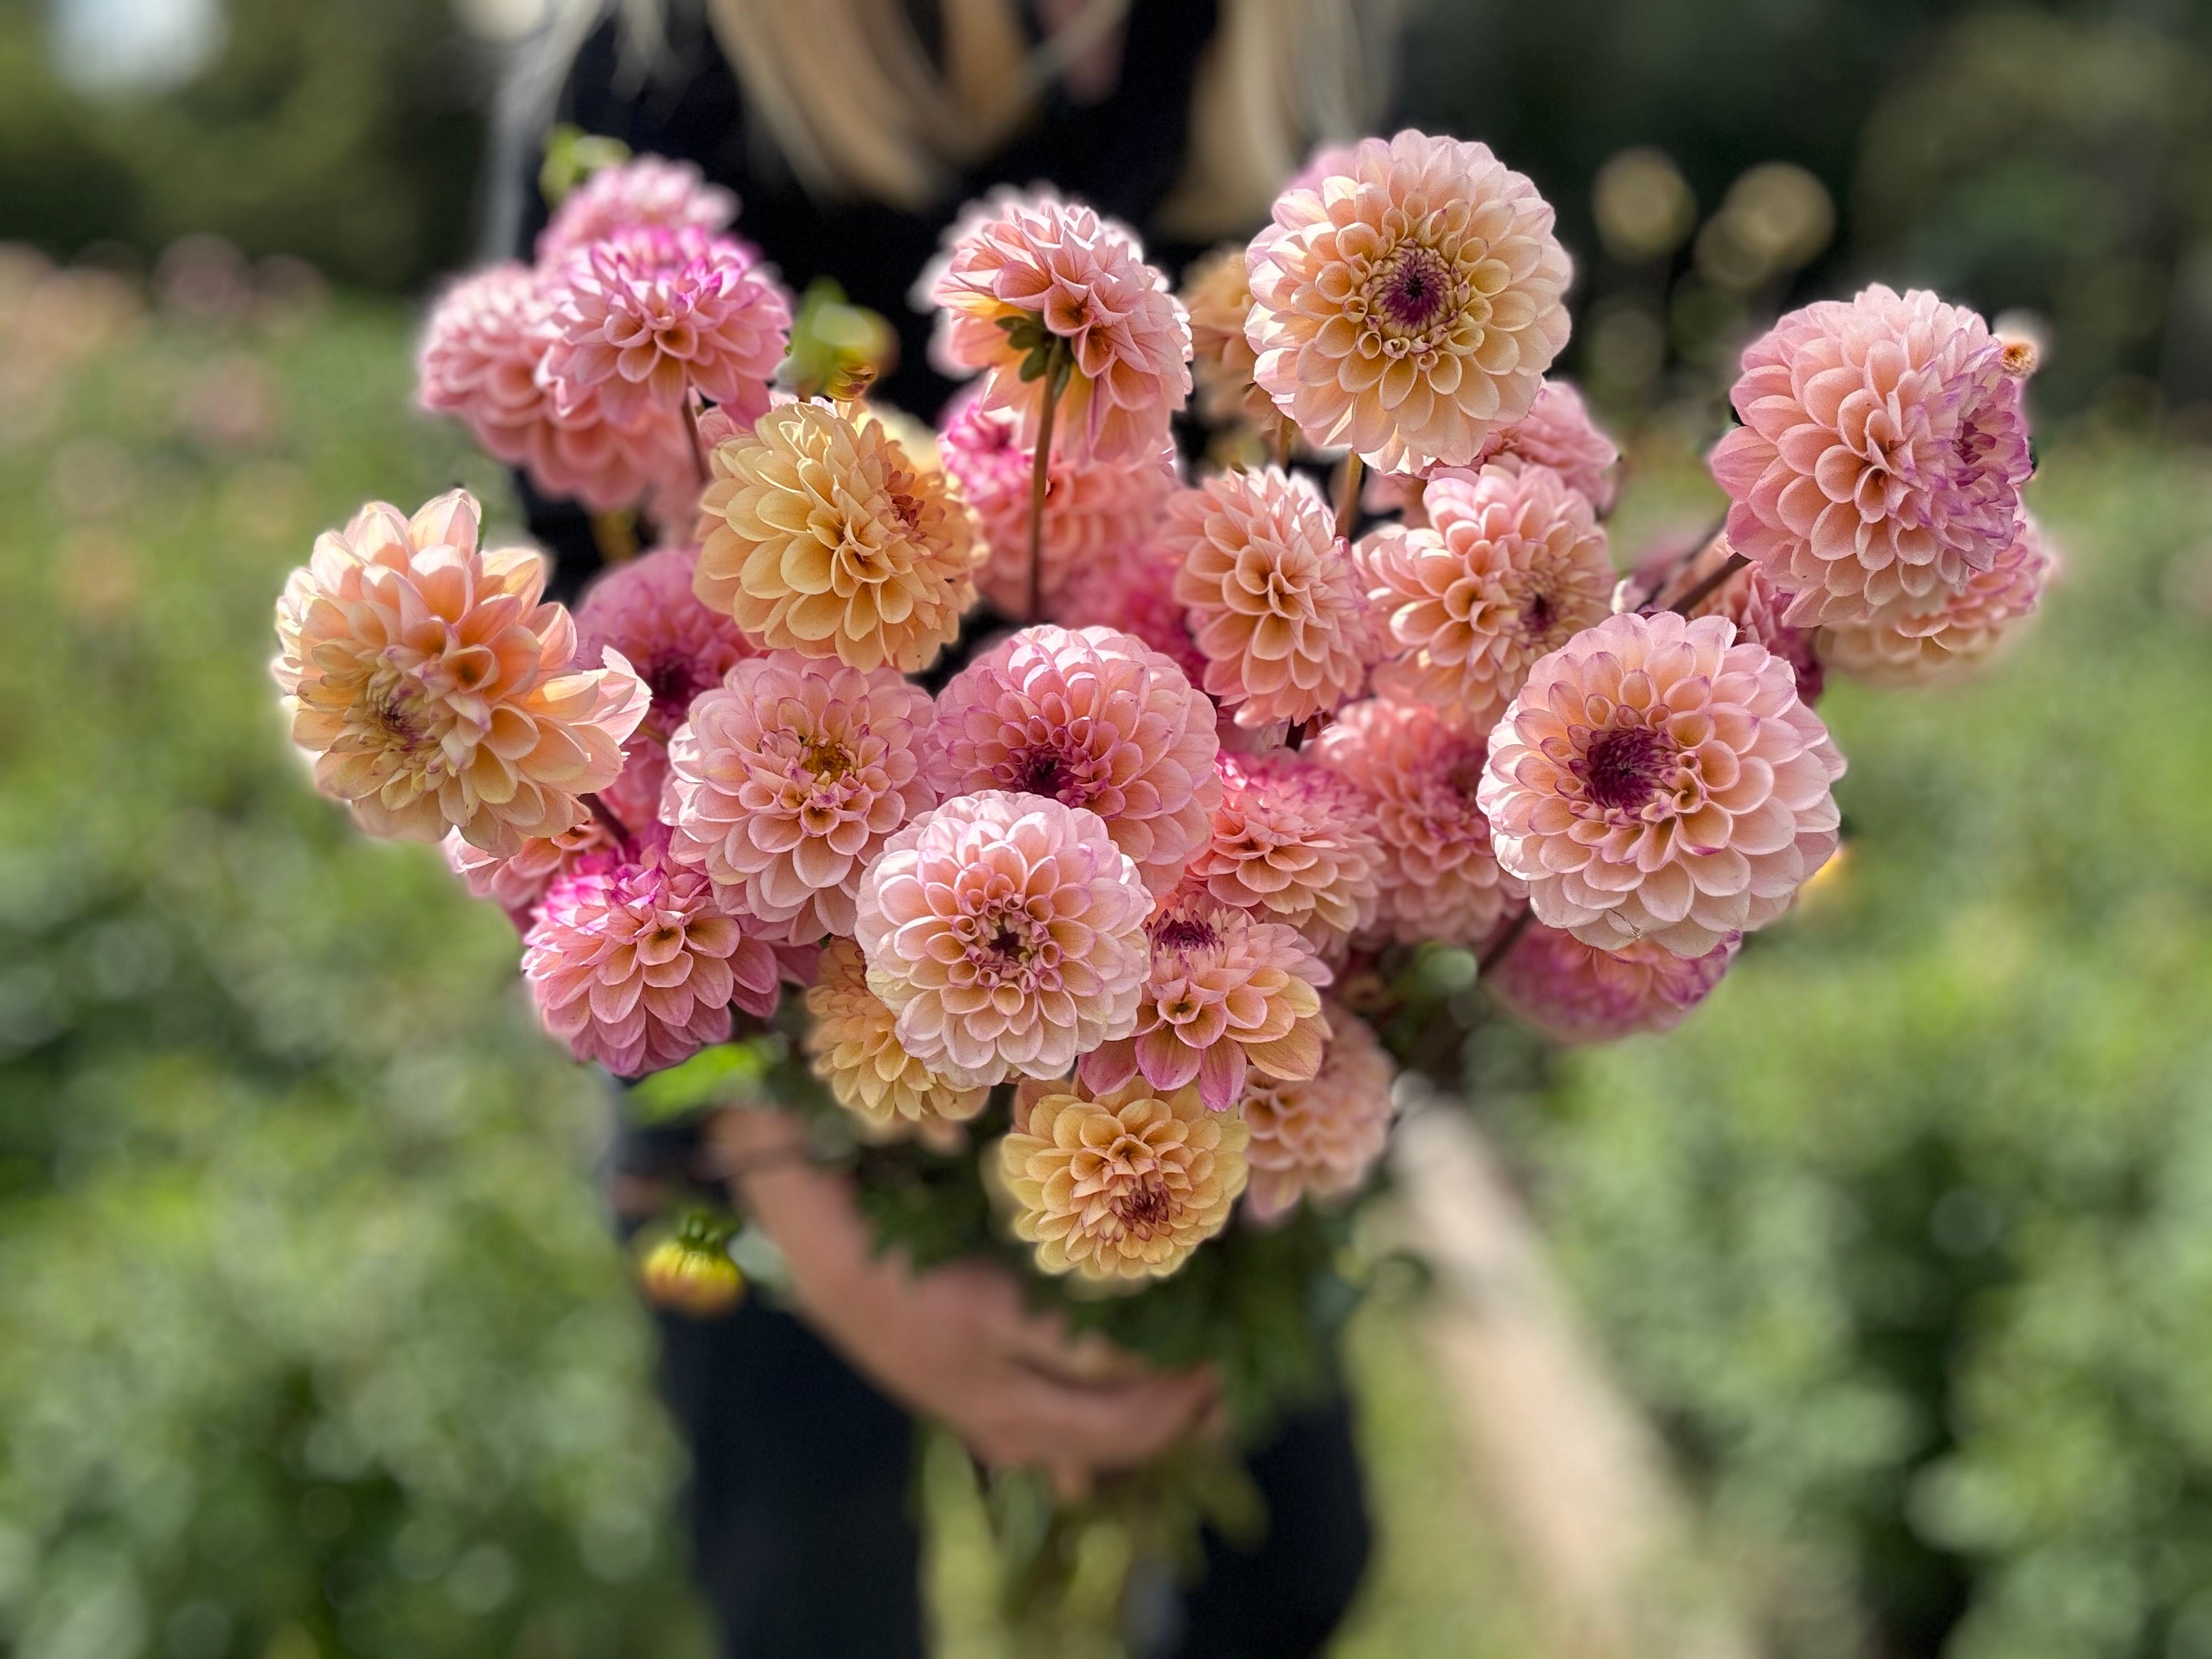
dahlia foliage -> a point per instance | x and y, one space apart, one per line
1119 918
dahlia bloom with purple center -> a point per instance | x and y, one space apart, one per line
1881 458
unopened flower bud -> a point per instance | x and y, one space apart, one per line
691 1275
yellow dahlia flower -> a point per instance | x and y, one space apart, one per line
1123 1185
824 537
853 1046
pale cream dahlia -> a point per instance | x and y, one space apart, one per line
1008 930
646 610
650 315
1225 992
1023 271
1513 566
518 883
1406 305
851 1044
435 691
1273 597
1093 509
1574 993
1217 291
1898 647
645 189
821 537
1660 779
787 781
1294 843
1318 1138
635 964
1123 1185
1881 458
1088 718
1440 879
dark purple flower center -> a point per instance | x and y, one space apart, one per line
1184 932
1416 287
1146 1208
1626 767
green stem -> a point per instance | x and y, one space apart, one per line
1040 481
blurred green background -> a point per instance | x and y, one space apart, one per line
313 1339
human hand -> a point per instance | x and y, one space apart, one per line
955 1342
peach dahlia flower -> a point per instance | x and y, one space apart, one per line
1512 566
1273 597
787 779
1881 458
1091 719
1024 270
1318 1137
435 691
1123 1185
823 538
1440 878
1294 843
1406 305
851 1044
1224 992
1574 993
1008 932
1132 592
1901 647
1217 292
1660 779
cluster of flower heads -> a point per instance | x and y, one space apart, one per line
1208 753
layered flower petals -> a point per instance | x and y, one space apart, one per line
1294 843
1658 779
1574 993
853 1047
1318 1137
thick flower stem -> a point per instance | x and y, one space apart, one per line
691 431
1040 481
1284 428
1347 499
1689 601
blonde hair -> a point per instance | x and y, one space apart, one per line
856 106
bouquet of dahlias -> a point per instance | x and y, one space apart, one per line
1102 950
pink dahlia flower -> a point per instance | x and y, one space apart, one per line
1406 306
646 610
1901 647
1318 1138
1557 433
517 883
1093 509
1660 779
1092 719
1574 993
480 356
1513 566
1882 455
1225 993
635 964
647 190
1273 597
1440 878
645 317
788 779
435 691
1008 932
1132 592
1024 270
1294 843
